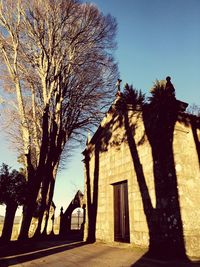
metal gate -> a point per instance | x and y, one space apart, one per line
77 219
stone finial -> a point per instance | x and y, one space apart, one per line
118 84
169 86
171 91
168 79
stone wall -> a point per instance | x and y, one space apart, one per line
116 164
188 175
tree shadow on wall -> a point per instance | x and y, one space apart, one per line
195 123
97 145
190 120
92 194
166 229
166 241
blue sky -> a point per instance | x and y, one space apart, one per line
156 38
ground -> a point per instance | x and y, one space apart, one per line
74 254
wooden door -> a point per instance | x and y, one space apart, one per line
121 212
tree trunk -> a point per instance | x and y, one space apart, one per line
41 211
35 179
47 196
26 222
52 185
29 207
8 222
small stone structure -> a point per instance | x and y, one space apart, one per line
66 217
126 195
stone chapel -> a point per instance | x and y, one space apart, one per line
142 175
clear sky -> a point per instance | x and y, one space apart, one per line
156 38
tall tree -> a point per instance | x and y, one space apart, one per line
58 55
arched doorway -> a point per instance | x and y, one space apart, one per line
77 219
73 219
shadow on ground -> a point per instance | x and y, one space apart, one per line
147 261
97 255
18 252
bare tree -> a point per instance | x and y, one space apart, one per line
59 57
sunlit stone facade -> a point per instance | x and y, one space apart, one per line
110 178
